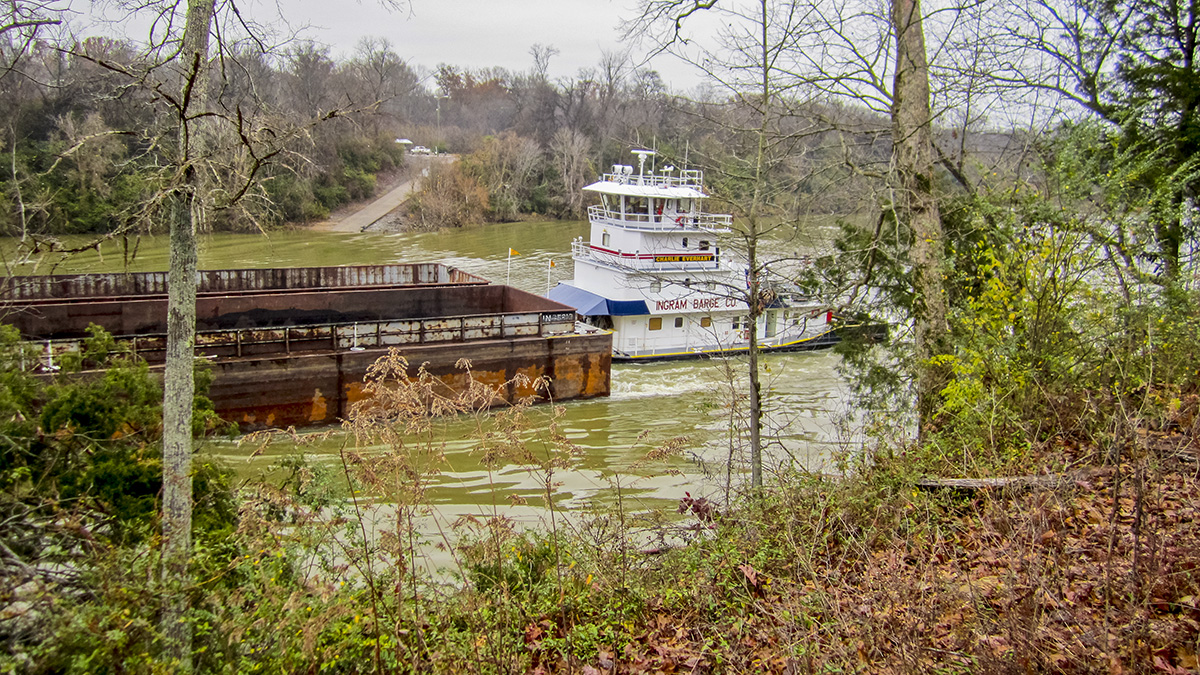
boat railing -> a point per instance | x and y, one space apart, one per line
666 261
692 178
640 349
332 337
709 222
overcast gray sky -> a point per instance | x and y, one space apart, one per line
470 33
473 33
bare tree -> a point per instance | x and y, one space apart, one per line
21 21
507 165
745 62
570 150
780 55
210 152
842 49
384 80
537 98
311 82
179 385
614 69
541 60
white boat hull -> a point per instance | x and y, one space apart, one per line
666 336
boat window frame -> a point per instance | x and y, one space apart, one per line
638 207
655 323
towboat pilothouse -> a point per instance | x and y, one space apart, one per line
654 273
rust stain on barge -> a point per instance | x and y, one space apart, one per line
292 346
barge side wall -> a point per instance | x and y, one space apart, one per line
296 381
314 389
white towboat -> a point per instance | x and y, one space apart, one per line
653 272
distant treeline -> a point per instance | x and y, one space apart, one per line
83 145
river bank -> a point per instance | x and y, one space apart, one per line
1093 572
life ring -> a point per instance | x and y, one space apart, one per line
679 221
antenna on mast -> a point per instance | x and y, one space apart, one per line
642 154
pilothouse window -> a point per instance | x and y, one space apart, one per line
637 206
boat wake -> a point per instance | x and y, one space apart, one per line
641 381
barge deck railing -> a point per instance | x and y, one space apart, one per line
83 287
338 337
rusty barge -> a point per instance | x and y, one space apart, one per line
291 346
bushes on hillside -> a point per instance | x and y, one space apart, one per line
448 198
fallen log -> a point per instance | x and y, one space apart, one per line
1039 482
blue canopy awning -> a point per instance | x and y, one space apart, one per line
587 303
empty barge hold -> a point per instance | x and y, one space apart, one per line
291 346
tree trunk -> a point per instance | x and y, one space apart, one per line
756 413
178 381
752 236
915 202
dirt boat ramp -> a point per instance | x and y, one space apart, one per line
358 221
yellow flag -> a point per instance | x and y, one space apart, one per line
512 252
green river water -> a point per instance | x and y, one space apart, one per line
650 403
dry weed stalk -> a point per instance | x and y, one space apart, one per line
399 452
